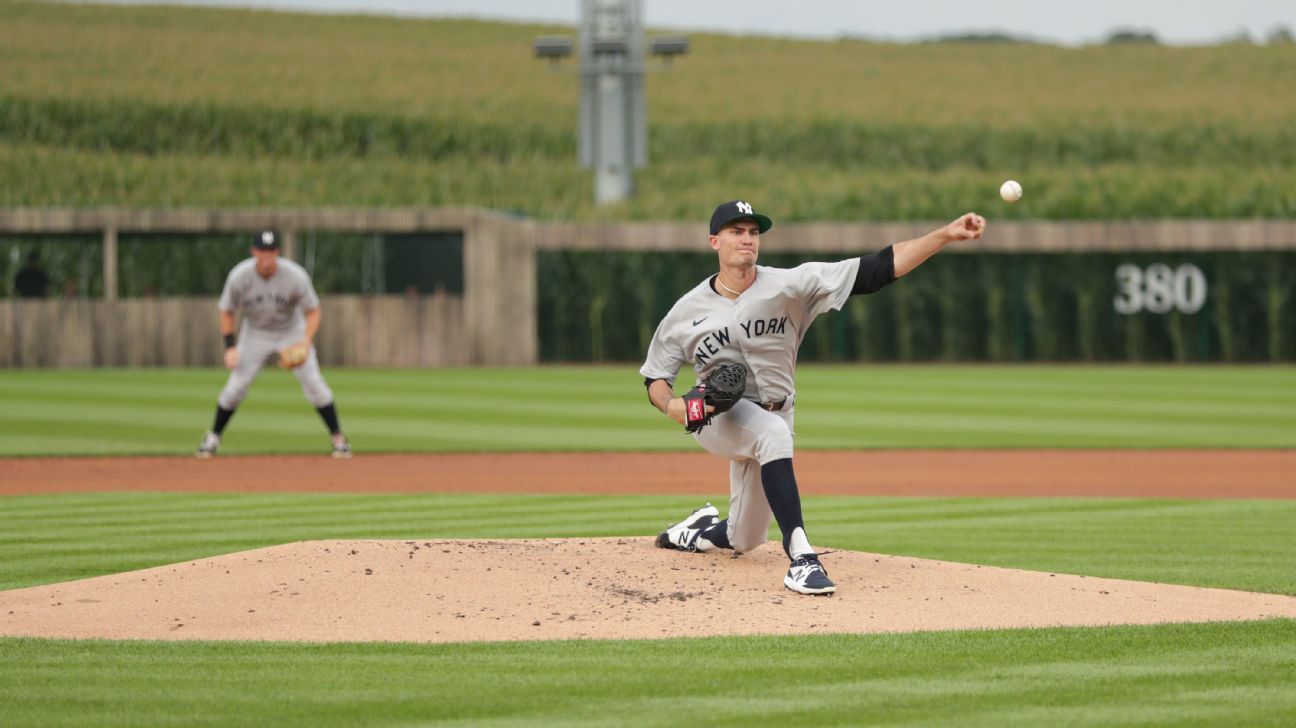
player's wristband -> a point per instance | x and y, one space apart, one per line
695 414
229 341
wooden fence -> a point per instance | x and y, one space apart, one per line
388 331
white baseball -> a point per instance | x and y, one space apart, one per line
1010 191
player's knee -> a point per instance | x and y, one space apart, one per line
231 397
743 542
318 395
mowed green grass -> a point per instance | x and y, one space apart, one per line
1223 674
1174 674
1241 674
164 411
1238 544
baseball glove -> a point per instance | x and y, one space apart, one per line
721 390
291 357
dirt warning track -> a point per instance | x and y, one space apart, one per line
1108 473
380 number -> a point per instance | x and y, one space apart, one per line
1158 289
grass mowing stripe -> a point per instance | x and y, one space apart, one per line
1053 421
892 437
1217 404
169 418
985 683
1169 674
1142 539
85 411
1176 541
1007 381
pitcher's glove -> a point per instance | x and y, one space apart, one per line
291 357
721 390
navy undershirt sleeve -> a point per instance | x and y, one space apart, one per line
876 271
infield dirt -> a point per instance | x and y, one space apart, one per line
443 591
615 588
1079 473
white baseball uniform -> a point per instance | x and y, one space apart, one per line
762 329
273 318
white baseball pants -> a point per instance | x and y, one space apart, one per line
748 436
257 349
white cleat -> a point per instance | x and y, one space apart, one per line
208 446
807 576
341 448
683 536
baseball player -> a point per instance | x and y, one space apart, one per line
757 316
281 315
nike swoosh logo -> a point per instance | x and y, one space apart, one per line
704 318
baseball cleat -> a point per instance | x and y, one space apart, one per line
341 448
683 536
208 446
807 576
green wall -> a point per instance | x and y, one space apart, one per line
962 307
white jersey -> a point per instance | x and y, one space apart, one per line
762 329
274 305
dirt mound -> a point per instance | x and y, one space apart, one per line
452 591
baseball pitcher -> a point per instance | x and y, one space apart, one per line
281 315
740 330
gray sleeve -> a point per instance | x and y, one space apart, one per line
665 355
230 297
826 286
309 300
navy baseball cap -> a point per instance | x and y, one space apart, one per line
737 210
265 240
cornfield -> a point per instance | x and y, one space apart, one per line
166 107
157 106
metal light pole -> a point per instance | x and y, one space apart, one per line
613 112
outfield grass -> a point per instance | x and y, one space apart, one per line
1222 674
161 411
1173 675
1209 674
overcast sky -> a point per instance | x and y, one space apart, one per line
1174 21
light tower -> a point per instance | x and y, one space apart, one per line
613 112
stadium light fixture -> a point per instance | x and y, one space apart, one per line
668 46
613 111
553 47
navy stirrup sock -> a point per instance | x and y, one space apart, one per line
222 418
718 534
781 491
329 413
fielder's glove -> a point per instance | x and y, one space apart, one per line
721 390
293 356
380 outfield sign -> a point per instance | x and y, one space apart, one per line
1159 289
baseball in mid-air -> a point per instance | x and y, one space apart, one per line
1010 191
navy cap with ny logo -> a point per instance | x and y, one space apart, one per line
265 240
727 212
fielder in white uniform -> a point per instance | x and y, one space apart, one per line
757 316
279 309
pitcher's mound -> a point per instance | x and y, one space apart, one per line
451 591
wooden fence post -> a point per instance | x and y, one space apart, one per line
110 264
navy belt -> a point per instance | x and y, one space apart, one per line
772 406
